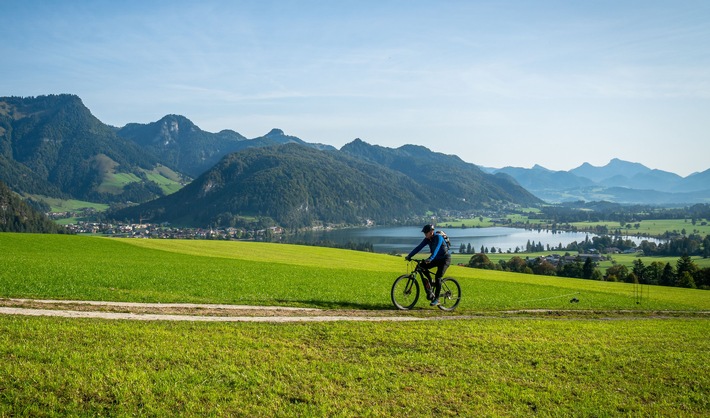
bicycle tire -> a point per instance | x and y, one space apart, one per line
450 295
405 292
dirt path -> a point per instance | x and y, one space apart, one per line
188 312
242 313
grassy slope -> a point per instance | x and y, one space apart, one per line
485 366
71 267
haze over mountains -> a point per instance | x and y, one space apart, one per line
53 146
618 181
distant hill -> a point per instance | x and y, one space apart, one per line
458 183
293 185
53 146
18 216
615 167
619 181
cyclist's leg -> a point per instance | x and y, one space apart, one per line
442 266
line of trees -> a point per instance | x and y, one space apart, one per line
693 244
685 274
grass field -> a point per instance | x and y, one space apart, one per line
603 356
60 205
623 259
652 227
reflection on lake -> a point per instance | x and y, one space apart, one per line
402 239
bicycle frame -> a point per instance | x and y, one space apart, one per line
405 289
424 276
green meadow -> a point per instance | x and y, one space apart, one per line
516 346
651 227
623 259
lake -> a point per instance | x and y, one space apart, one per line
402 239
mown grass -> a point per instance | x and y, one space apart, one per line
484 367
493 364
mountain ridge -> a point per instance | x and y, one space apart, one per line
619 181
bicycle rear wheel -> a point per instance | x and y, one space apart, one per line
405 292
450 295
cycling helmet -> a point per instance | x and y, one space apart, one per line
427 228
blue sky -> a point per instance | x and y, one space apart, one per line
498 83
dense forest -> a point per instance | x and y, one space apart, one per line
18 216
53 146
296 186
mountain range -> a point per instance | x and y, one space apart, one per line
53 146
618 181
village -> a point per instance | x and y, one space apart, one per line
148 230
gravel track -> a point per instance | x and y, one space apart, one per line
189 312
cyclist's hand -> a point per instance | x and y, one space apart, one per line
428 260
408 258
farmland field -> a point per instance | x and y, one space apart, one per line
651 227
623 259
606 355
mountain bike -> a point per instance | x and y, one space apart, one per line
405 290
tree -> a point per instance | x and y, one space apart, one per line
639 270
588 268
654 272
517 264
686 280
481 261
574 270
544 267
685 264
617 273
668 276
702 278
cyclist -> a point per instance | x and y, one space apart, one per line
439 258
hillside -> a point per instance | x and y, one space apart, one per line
462 185
53 146
293 185
180 144
17 216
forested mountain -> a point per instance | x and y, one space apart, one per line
53 146
462 185
293 185
18 216
181 145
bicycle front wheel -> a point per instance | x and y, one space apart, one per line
450 295
405 292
